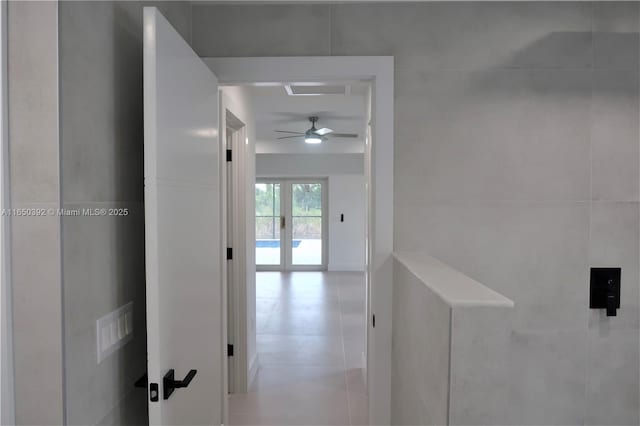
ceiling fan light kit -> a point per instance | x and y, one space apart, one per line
316 136
312 139
311 136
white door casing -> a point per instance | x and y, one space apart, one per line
236 114
184 292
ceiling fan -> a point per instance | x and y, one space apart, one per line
314 136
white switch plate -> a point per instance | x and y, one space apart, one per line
114 330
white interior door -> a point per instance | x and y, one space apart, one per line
182 230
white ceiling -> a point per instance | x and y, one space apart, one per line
276 110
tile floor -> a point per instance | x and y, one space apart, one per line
310 332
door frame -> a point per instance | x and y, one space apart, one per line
378 71
237 277
286 254
234 133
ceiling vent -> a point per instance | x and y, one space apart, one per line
315 89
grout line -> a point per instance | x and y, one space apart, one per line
330 29
268 320
637 101
60 224
591 197
344 356
406 69
450 367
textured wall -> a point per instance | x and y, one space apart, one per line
101 143
420 372
516 162
450 345
35 184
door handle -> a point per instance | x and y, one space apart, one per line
169 384
282 222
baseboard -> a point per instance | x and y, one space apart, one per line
345 267
253 370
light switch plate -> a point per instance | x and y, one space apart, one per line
113 331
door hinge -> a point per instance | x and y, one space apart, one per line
373 320
229 349
228 155
229 253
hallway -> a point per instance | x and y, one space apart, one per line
311 337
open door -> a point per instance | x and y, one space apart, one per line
182 231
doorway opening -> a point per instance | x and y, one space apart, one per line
375 75
310 249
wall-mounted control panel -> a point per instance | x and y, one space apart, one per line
114 330
605 289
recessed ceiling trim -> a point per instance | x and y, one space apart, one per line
317 89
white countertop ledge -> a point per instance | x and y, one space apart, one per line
455 288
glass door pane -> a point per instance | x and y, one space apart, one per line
268 247
306 223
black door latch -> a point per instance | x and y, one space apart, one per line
142 382
169 384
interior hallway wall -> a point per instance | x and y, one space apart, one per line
516 162
35 186
347 200
101 145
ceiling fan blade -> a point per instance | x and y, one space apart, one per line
344 135
323 131
289 137
286 131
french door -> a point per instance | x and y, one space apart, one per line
291 225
